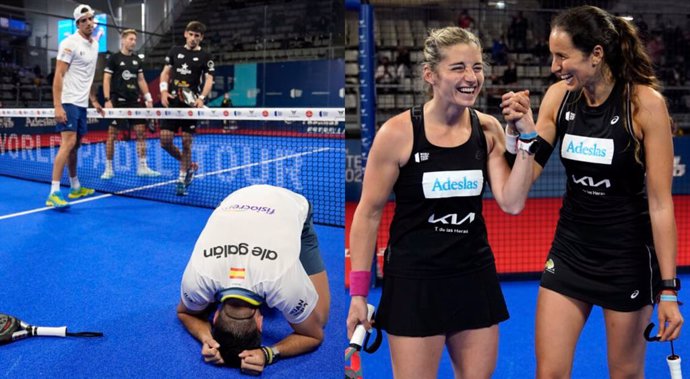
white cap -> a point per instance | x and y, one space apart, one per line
82 10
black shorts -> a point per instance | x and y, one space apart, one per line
427 307
126 123
173 125
622 280
310 255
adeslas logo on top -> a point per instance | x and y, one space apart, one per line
587 149
450 185
443 184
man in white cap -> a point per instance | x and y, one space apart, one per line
74 70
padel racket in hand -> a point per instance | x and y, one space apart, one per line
672 360
354 370
12 329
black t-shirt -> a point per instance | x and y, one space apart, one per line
124 70
188 68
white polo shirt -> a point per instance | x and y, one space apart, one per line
249 249
81 55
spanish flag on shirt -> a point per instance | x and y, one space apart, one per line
236 273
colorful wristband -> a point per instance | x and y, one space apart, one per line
268 354
528 136
668 298
359 283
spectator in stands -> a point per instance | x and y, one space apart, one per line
517 32
227 103
186 67
440 287
642 28
499 51
465 21
385 74
510 75
402 64
615 244
123 81
74 71
656 48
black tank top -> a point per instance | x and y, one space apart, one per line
438 228
605 201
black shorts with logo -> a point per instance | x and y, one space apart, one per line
173 125
126 123
415 307
620 279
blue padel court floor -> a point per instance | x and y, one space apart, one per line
310 166
114 264
516 359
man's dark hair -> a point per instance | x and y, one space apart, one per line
234 336
196 26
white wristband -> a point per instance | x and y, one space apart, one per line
202 97
147 97
163 86
511 141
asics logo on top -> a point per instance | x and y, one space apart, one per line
614 120
451 219
587 149
445 184
569 116
587 181
634 294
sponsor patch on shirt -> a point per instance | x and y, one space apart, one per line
444 184
587 149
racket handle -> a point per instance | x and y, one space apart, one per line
674 366
60 331
357 339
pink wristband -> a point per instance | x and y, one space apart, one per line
359 283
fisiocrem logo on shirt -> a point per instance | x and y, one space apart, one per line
460 183
235 207
587 149
223 251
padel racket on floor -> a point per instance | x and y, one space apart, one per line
358 342
12 329
672 360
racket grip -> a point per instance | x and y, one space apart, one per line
674 366
59 331
357 339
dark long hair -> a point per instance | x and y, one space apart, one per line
624 53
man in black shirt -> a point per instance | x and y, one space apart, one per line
122 81
180 85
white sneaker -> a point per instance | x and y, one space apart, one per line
146 171
107 174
